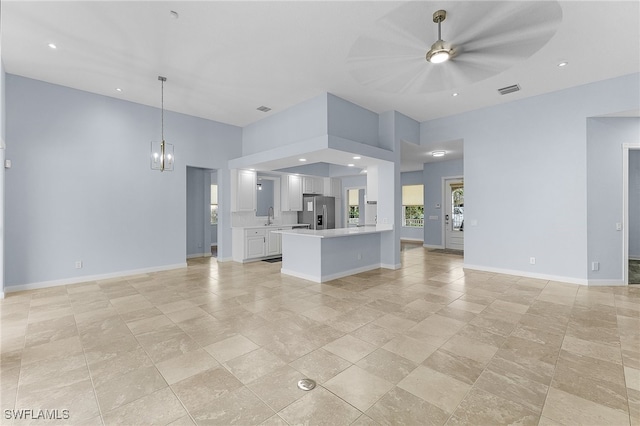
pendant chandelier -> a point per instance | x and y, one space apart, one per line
162 152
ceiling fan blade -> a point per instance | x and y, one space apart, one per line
488 38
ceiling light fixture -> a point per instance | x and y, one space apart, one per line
302 159
52 46
350 165
563 64
438 153
455 94
356 157
118 89
174 14
439 52
161 152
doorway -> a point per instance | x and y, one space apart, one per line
632 215
201 213
454 214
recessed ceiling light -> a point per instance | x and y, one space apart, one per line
563 64
350 165
364 171
118 89
302 159
438 153
174 14
253 170
52 46
356 157
455 94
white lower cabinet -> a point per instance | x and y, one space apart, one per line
274 242
256 243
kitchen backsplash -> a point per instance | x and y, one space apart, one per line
240 219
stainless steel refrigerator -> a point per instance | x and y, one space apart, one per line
318 211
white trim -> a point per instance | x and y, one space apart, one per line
214 244
432 246
625 208
526 274
86 278
390 266
633 258
2 295
193 256
412 240
606 283
325 278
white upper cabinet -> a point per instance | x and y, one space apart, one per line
291 191
243 191
333 187
313 185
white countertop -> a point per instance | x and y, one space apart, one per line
338 232
270 226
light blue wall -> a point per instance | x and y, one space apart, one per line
264 197
350 121
432 178
412 178
198 211
604 198
529 156
2 172
634 203
81 187
298 123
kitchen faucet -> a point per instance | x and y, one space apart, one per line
269 215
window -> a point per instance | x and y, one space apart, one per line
413 206
457 207
354 207
214 204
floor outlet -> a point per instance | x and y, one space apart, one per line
532 260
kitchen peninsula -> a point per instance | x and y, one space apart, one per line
325 255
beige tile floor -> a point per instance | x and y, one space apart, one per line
226 343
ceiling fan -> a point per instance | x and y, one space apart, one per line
484 38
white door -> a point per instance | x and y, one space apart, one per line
454 214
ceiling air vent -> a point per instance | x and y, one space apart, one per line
509 89
263 108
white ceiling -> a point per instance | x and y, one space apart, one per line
222 60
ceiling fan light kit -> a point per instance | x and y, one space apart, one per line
439 52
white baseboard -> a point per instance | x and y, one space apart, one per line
224 259
526 274
86 278
390 266
412 240
325 278
214 244
193 256
431 246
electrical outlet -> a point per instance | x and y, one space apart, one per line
595 266
532 260
359 256
78 264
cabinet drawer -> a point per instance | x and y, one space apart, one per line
255 232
